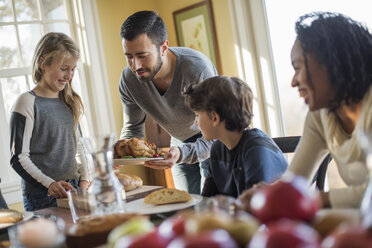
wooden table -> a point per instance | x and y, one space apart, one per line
65 214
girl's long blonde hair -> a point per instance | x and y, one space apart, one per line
58 46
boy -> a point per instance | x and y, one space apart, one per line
240 156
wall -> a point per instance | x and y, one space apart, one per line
112 13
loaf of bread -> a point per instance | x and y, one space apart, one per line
129 181
165 196
10 216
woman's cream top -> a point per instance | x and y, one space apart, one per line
322 134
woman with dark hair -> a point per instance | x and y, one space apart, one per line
332 59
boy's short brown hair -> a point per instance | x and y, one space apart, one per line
229 97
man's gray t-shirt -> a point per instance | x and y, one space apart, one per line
168 110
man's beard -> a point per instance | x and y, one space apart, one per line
156 70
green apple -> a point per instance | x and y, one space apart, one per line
134 226
242 227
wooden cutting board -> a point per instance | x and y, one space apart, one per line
135 194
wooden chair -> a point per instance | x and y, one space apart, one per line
288 145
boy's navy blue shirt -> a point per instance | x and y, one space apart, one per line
256 158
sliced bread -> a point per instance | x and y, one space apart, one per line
10 216
165 196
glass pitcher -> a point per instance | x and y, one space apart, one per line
108 192
365 140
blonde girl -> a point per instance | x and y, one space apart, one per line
44 126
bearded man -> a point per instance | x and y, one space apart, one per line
152 84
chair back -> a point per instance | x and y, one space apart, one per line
288 144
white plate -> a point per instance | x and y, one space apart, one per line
133 161
26 216
138 206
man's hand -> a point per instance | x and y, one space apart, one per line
58 189
84 184
170 159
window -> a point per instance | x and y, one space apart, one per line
23 23
252 46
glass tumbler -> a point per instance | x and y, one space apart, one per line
81 203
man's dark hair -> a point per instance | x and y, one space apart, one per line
147 22
229 97
344 47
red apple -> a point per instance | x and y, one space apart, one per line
152 239
287 198
285 233
217 238
349 235
173 226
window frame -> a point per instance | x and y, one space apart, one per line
255 61
85 30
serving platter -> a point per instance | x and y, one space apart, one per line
133 161
138 206
26 216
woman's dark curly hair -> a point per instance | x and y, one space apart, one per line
344 47
229 97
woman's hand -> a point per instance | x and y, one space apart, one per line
84 184
59 189
170 159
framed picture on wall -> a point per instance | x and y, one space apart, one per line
195 29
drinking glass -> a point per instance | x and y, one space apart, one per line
108 192
216 204
82 204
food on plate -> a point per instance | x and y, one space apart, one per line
40 232
135 148
129 181
290 198
98 224
94 231
10 216
5 243
165 196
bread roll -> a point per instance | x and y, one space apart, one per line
165 196
129 181
10 216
